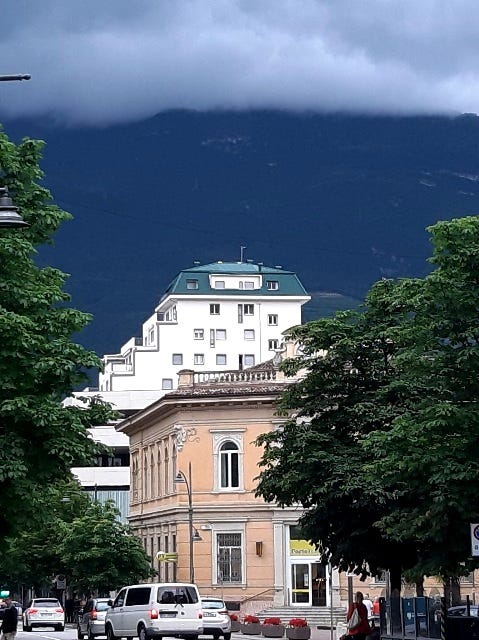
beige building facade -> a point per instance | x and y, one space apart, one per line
204 432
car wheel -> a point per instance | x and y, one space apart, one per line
26 627
109 633
227 636
141 632
216 636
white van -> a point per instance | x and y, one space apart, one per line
155 610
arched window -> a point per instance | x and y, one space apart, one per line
152 475
158 471
145 477
229 466
167 471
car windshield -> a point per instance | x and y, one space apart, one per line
101 606
46 603
213 604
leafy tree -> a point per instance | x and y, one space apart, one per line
380 448
81 539
100 552
40 439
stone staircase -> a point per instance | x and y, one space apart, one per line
315 616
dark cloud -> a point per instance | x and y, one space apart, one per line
117 60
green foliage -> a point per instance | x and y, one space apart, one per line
76 537
40 365
381 448
101 553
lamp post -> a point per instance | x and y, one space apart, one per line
193 534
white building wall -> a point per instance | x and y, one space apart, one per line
148 366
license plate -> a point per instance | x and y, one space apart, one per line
168 614
206 614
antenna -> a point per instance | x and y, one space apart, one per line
242 248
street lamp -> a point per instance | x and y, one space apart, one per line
193 534
9 216
16 76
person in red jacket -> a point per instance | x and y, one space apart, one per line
362 629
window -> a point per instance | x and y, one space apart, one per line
120 598
248 309
229 557
248 284
212 338
192 284
221 334
221 358
199 358
167 383
220 284
248 360
272 285
138 596
273 344
272 319
214 309
229 466
249 334
177 358
199 334
151 336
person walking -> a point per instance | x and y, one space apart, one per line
10 620
357 619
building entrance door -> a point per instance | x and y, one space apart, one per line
300 584
308 584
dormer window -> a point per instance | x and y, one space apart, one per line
220 284
272 285
192 284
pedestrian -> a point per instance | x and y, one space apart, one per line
10 620
357 620
369 605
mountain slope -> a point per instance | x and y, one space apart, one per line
341 200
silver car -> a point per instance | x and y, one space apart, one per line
216 620
91 622
44 612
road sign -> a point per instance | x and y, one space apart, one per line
162 556
475 540
61 581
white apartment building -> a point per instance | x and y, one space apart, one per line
219 316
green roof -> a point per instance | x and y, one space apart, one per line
288 282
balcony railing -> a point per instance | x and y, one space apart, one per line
189 378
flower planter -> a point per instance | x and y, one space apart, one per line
235 626
272 630
298 633
251 628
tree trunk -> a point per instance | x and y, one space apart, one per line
452 591
395 581
420 587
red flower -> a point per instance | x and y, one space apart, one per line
272 621
233 617
298 622
250 618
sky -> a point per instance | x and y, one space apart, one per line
99 62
